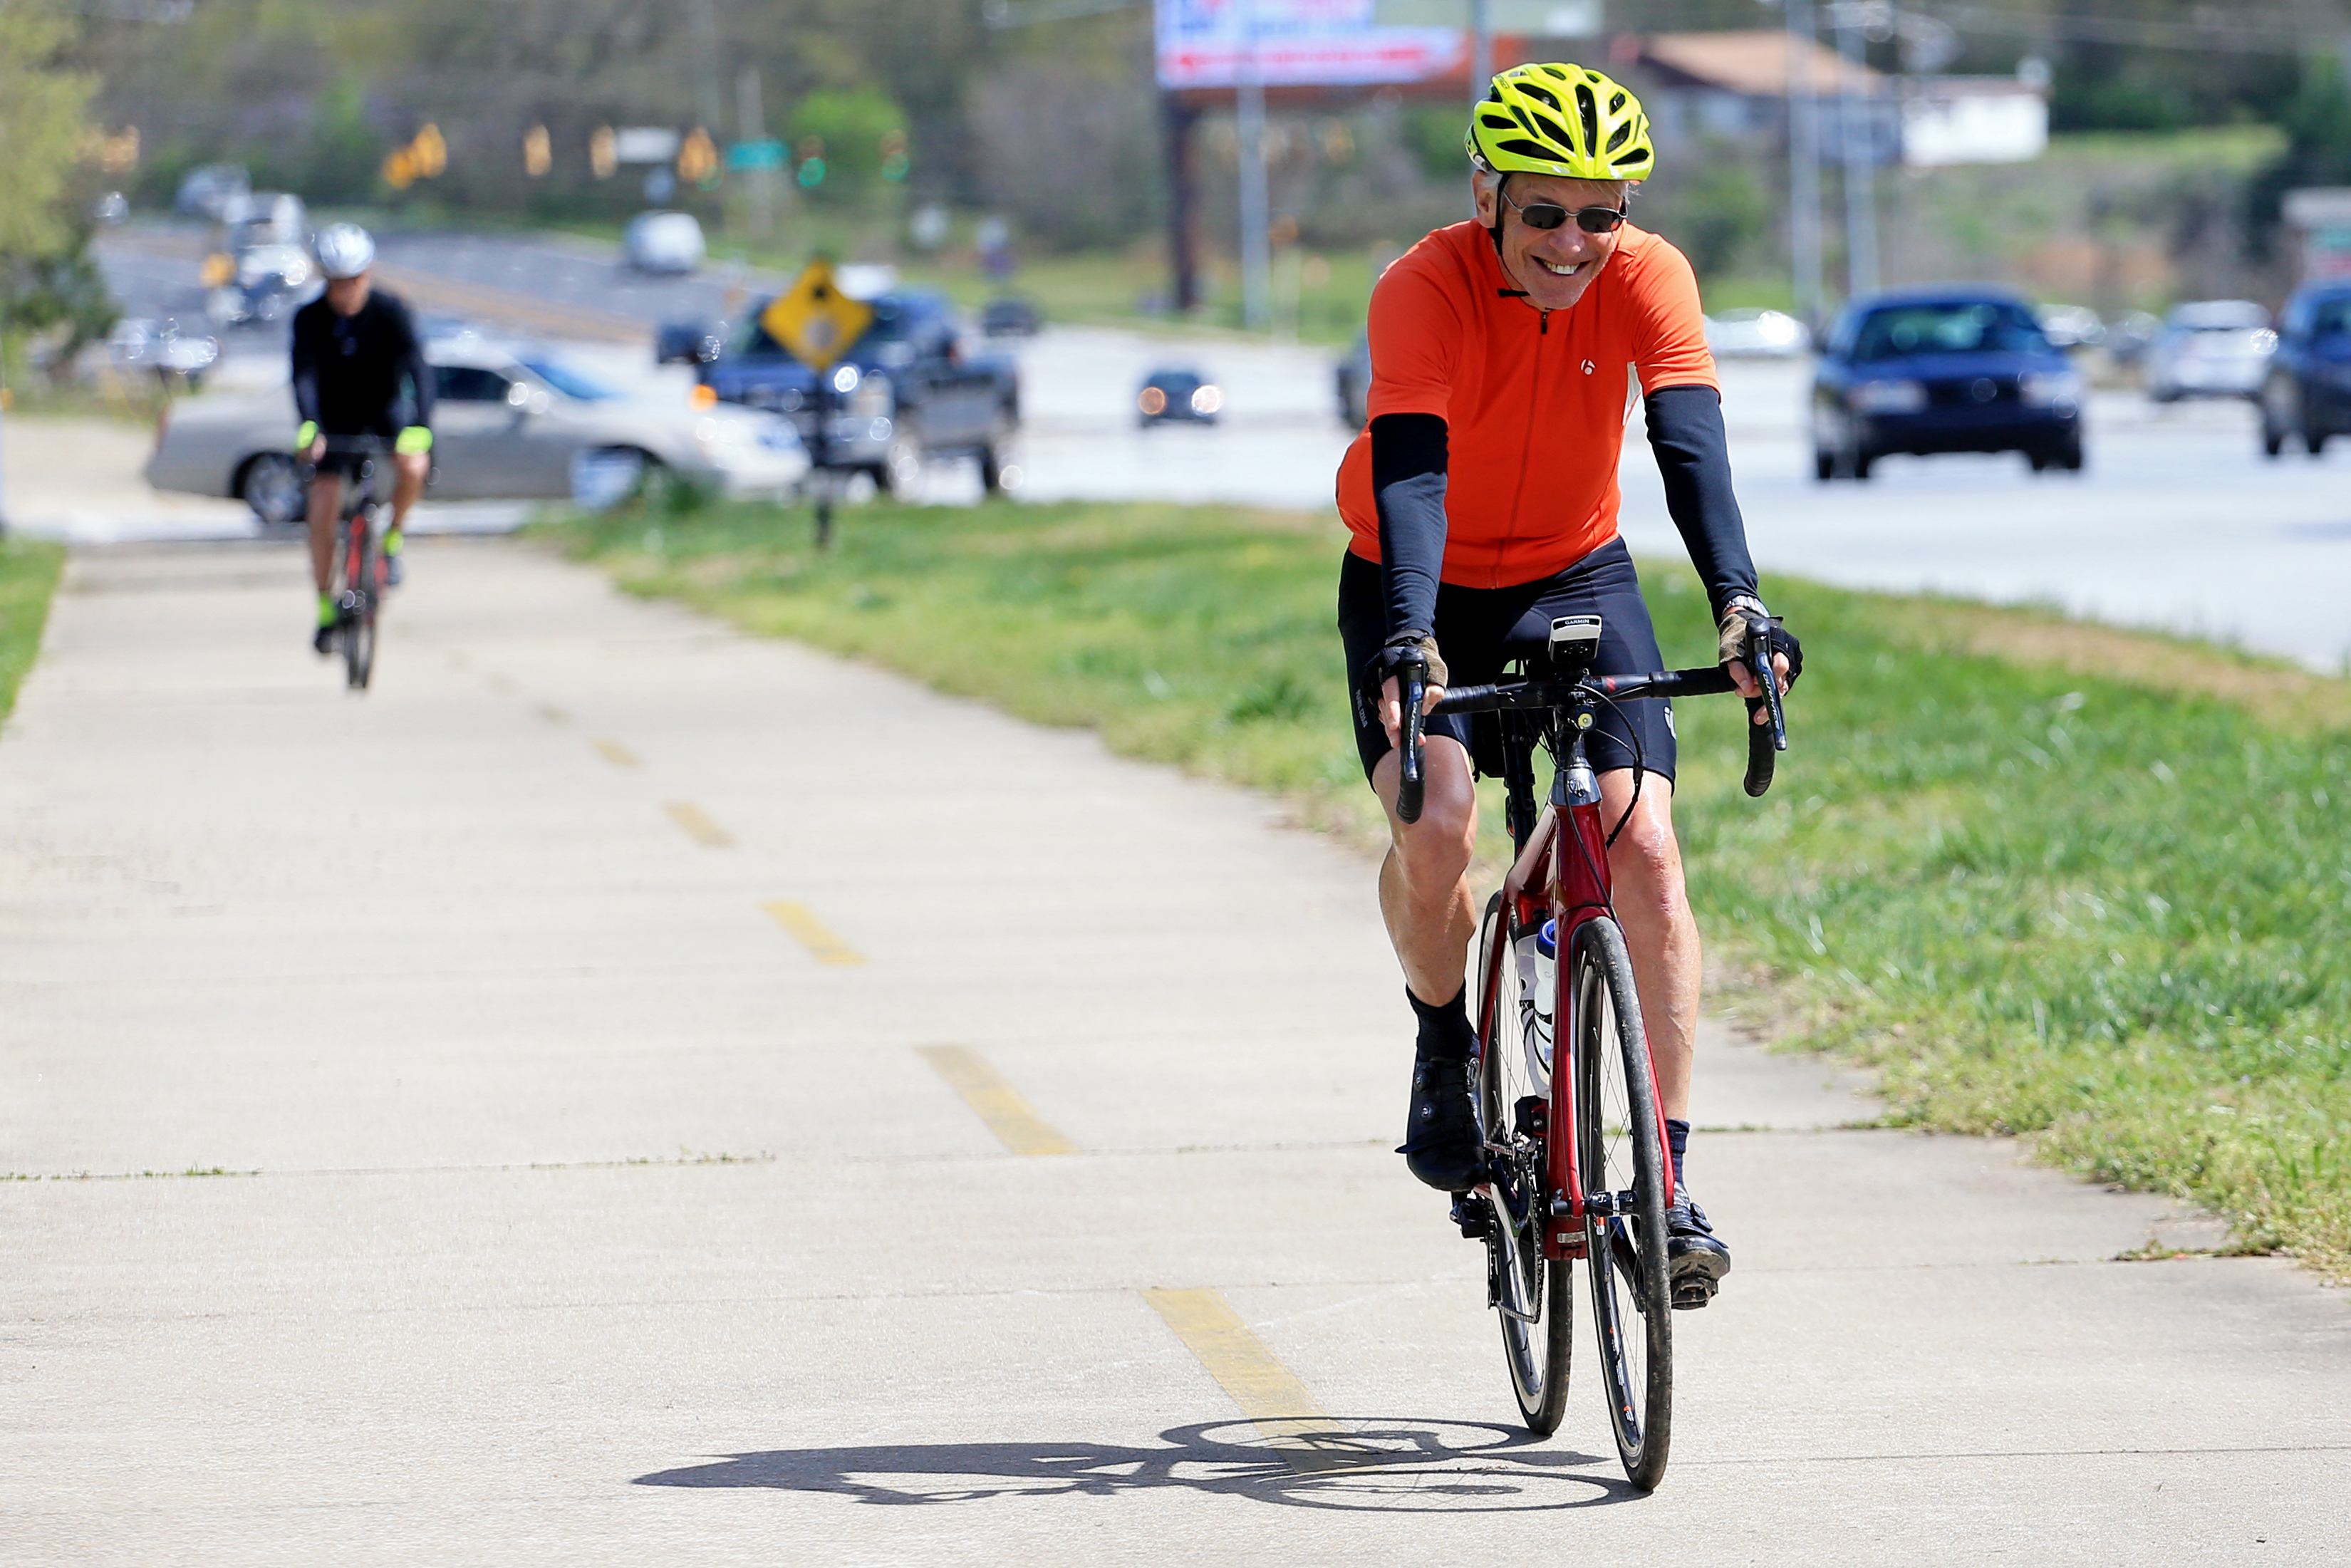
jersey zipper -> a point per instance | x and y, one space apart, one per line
1526 453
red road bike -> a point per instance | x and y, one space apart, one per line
358 571
1576 1142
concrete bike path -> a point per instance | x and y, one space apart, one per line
685 1098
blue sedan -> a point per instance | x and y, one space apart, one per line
1945 369
2308 393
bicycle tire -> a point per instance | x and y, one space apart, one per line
1632 1289
1532 1295
359 619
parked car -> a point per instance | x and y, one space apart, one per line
263 217
2212 348
163 348
2306 390
665 243
1351 378
270 281
206 191
910 391
1756 335
1178 395
1942 370
689 342
1009 316
2072 326
510 421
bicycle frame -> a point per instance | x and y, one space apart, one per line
1561 873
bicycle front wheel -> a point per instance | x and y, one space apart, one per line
1621 1156
1529 1292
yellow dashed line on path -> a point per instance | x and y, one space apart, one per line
1006 1111
552 714
811 933
613 752
1292 1423
699 827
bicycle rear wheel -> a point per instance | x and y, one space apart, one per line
1621 1156
359 597
1529 1292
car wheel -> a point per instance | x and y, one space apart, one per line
2314 441
2036 461
1823 465
2071 458
272 486
2273 439
991 471
1857 464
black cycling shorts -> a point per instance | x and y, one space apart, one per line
1480 631
386 429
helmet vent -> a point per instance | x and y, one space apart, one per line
1587 107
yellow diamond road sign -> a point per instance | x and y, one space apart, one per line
814 320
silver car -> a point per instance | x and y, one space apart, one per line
2212 348
510 423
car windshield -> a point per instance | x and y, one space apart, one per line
2332 317
569 381
1977 327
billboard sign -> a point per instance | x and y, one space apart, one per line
1298 43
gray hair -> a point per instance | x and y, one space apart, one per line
1489 179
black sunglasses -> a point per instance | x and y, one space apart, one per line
1549 216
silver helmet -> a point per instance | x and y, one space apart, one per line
344 250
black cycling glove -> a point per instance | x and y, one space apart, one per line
1738 618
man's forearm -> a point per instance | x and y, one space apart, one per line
1693 453
1408 457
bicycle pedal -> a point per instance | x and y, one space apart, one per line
1692 1295
1474 1215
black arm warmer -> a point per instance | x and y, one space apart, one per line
419 373
305 375
1408 484
1694 457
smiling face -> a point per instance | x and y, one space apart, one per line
1554 265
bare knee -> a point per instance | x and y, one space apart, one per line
1434 850
1646 861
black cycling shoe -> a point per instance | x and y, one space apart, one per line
1695 1259
323 640
1441 1147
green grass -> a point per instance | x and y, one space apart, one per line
28 577
2039 896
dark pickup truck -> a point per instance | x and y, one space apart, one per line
914 395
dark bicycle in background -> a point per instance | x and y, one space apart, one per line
1576 1160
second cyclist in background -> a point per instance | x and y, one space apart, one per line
358 370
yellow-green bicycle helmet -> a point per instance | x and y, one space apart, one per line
1564 120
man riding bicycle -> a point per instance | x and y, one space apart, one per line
359 370
1482 499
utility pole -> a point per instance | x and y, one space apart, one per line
1857 116
1803 166
706 65
1257 252
1481 49
751 125
1183 230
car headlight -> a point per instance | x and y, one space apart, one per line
1152 400
1887 397
1207 400
2050 389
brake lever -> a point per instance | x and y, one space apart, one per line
1411 685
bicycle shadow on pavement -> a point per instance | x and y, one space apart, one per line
1379 1466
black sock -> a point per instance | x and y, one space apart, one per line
1678 1139
1445 1034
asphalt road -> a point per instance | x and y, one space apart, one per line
2179 523
624 1092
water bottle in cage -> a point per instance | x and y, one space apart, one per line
1537 952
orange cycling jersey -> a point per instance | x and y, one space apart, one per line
1535 402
